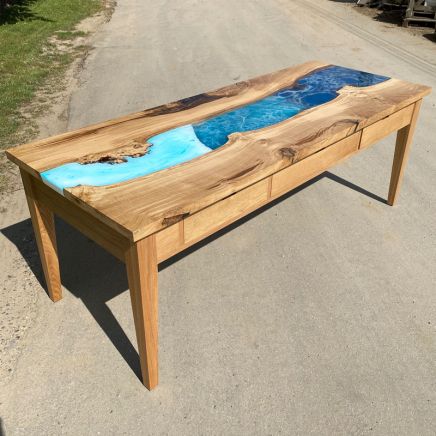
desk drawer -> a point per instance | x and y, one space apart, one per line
382 128
308 168
225 212
168 242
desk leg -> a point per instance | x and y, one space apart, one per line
45 235
402 149
141 263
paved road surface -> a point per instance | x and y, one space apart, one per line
316 316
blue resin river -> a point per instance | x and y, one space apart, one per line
188 142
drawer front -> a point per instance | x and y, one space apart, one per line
226 211
382 128
168 242
308 168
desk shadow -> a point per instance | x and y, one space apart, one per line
93 275
87 271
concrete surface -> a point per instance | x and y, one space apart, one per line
315 317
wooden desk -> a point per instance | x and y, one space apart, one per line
146 219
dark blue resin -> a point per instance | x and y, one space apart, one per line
310 91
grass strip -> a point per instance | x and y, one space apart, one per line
27 58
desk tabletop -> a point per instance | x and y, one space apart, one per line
145 171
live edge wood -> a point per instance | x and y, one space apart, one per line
149 219
136 208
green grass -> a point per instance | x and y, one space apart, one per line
26 59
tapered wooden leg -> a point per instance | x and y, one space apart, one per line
141 263
402 149
45 235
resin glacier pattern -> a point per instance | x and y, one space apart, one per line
169 148
188 142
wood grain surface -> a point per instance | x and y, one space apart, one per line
109 136
145 205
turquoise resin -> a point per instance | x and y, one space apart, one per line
188 142
169 148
